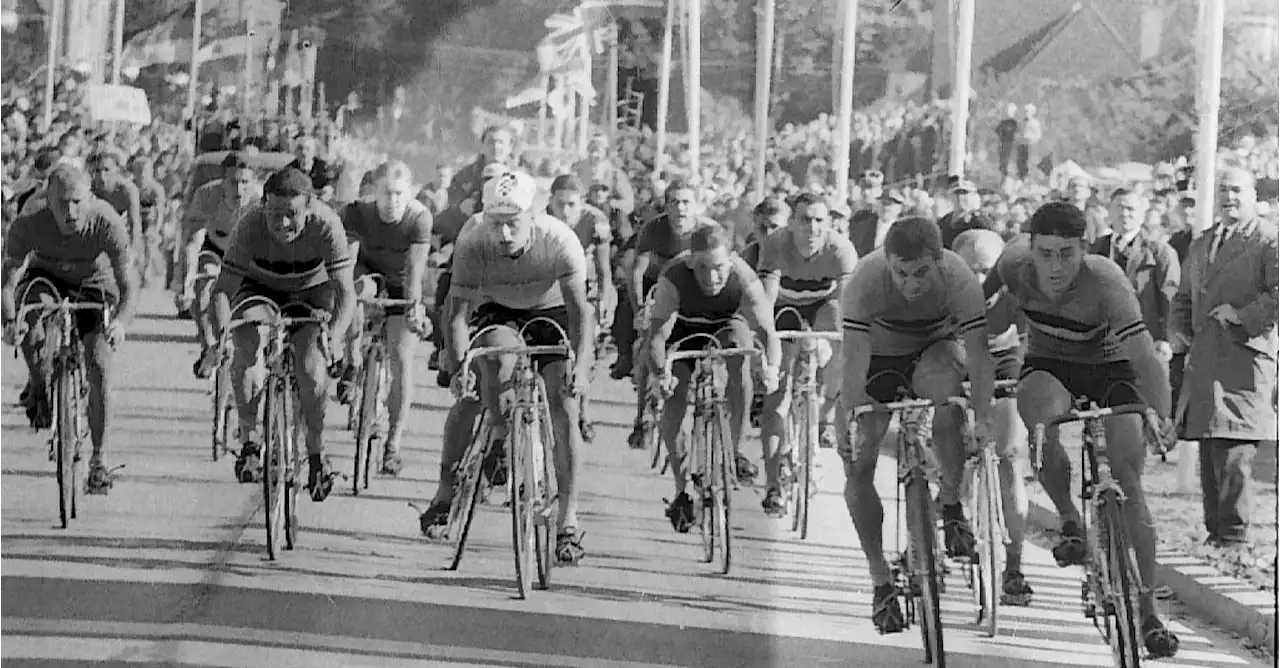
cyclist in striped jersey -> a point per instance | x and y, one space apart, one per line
914 316
1086 338
804 266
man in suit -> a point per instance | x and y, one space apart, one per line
1226 306
868 227
1149 263
967 214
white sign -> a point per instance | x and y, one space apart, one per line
117 103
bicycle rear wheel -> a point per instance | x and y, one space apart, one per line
522 493
923 533
466 492
723 474
274 431
988 571
1121 584
64 442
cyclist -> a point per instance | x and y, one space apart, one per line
981 249
914 315
513 266
214 209
292 250
1086 338
804 266
708 290
78 248
592 229
660 240
770 214
391 236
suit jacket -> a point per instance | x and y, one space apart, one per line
1153 268
1230 378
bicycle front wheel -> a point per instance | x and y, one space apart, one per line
467 487
292 467
923 533
543 479
723 474
275 431
522 493
64 436
988 572
223 408
805 435
1121 583
369 380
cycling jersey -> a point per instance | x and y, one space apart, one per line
209 210
663 241
805 280
679 295
123 197
483 272
897 327
289 267
751 253
84 257
384 247
1087 324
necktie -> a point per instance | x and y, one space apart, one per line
1219 235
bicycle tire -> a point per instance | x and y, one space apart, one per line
468 487
272 490
699 441
63 437
521 509
724 473
219 386
367 422
989 538
293 464
807 435
356 399
1121 584
544 527
923 532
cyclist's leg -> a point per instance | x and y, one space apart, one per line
564 422
201 305
640 367
680 510
97 362
1011 444
736 334
366 288
401 345
1044 393
40 344
248 374
773 419
1126 448
860 449
937 377
831 365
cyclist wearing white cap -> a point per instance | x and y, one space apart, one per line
513 266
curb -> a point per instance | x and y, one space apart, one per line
1230 604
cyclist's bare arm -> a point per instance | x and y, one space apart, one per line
666 303
415 269
857 362
971 311
228 284
1151 372
758 311
638 270
604 265
769 272
582 329
459 309
344 305
122 267
836 302
193 231
9 284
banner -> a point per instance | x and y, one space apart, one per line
105 103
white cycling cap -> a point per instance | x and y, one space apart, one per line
509 193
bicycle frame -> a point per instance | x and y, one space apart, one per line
1112 581
713 472
64 386
804 417
534 495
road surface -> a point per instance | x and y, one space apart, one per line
170 568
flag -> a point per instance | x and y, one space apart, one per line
534 91
169 41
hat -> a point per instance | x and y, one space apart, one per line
288 182
963 186
893 196
510 193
